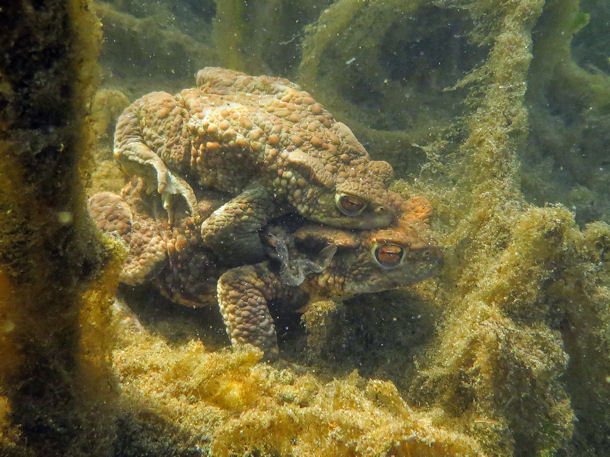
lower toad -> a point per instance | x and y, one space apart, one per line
308 263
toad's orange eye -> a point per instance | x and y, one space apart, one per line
389 255
350 205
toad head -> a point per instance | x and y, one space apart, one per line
352 192
376 260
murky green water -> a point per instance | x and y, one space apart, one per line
472 322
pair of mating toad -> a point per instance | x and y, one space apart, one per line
272 150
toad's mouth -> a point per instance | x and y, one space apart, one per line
407 274
364 221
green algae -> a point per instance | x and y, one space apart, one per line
49 250
569 109
504 354
261 37
148 45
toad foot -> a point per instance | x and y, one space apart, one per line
168 184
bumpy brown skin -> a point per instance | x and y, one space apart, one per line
191 274
240 133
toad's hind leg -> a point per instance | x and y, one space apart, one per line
141 234
244 294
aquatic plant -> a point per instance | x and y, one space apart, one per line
48 248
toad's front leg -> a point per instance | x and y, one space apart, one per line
232 231
244 294
138 155
147 129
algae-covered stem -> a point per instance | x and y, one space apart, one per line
48 250
490 310
229 32
499 125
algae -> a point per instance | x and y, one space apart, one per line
569 108
48 248
147 44
497 112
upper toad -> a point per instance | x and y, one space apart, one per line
266 142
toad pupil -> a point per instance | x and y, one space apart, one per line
389 255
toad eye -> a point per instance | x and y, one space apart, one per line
349 204
388 255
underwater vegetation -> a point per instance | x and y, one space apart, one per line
498 112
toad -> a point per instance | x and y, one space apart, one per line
263 140
305 263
